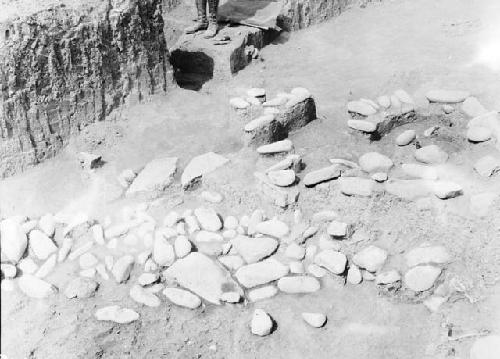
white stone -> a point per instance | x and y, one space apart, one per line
295 251
431 154
231 262
421 278
8 270
182 246
361 108
238 103
259 273
487 347
122 268
446 96
109 261
259 122
371 258
262 293
388 277
472 107
254 249
375 162
150 266
322 175
362 125
296 267
81 288
273 227
427 254
292 161
324 216
354 275
47 267
171 219
446 189
332 260
208 219
27 266
182 298
163 252
433 303
13 240
298 284
47 224
147 278
80 250
379 177
156 176
116 314
339 229
206 236
35 287
282 178
487 166
262 323
316 320
98 234
479 134
229 233
41 245
88 273
231 222
142 296
448 108
406 137
416 170
201 165
230 297
192 224
276 147
101 270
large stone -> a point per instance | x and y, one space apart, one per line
298 284
332 260
487 166
41 245
254 249
357 186
427 254
431 154
370 258
13 239
156 176
81 288
208 219
259 273
446 96
262 323
324 174
487 347
199 166
276 147
116 314
182 298
421 278
201 275
372 162
35 287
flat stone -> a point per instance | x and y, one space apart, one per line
148 278
238 103
361 108
316 320
427 254
431 154
447 189
201 165
375 162
311 179
388 277
384 101
232 262
81 288
332 260
406 137
356 186
295 251
265 292
182 246
421 278
487 166
293 162
362 125
487 347
446 96
298 284
202 276
35 287
254 249
472 107
274 228
479 134
370 258
182 298
115 313
47 224
13 240
262 323
282 178
339 229
209 219
155 177
489 120
276 147
163 251
420 171
122 268
354 275
259 273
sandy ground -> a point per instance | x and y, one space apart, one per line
414 45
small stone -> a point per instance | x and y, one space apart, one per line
282 178
273 227
276 147
487 166
293 162
472 107
420 171
231 222
41 245
316 320
311 250
259 273
426 254
231 297
379 177
389 277
8 270
326 242
431 154
406 137
98 234
296 267
143 257
262 323
212 197
384 101
199 166
182 246
298 284
362 125
182 298
81 288
192 224
421 278
27 266
316 270
354 275
262 293
375 162
208 219
122 268
446 189
116 314
47 267
109 261
339 229
430 131
356 186
238 103
370 258
322 175
487 347
368 276
163 252
254 249
35 287
156 176
447 109
446 96
479 134
147 278
47 224
150 266
88 260
361 108
295 251
229 234
332 260
232 262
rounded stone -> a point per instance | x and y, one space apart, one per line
478 134
316 320
421 278
332 260
282 178
262 323
298 284
362 125
375 162
406 137
431 154
370 258
182 298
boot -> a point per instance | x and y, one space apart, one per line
201 23
212 19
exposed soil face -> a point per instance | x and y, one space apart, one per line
367 52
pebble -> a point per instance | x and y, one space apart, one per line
41 245
295 251
274 228
254 249
262 323
298 284
487 166
379 177
384 101
326 242
116 314
232 262
211 196
47 267
370 258
388 277
406 137
354 275
479 134
231 222
338 229
421 278
229 234
262 121
143 296
47 224
276 147
431 154
182 246
296 267
375 162
208 219
416 170
487 347
262 293
163 252
362 125
238 103
35 287
361 108
81 288
212 249
88 260
122 268
147 278
472 107
8 270
282 178
356 186
324 174
316 270
230 297
332 260
426 254
446 96
316 320
201 165
156 176
446 189
259 273
256 217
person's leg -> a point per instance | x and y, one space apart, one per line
201 23
212 18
